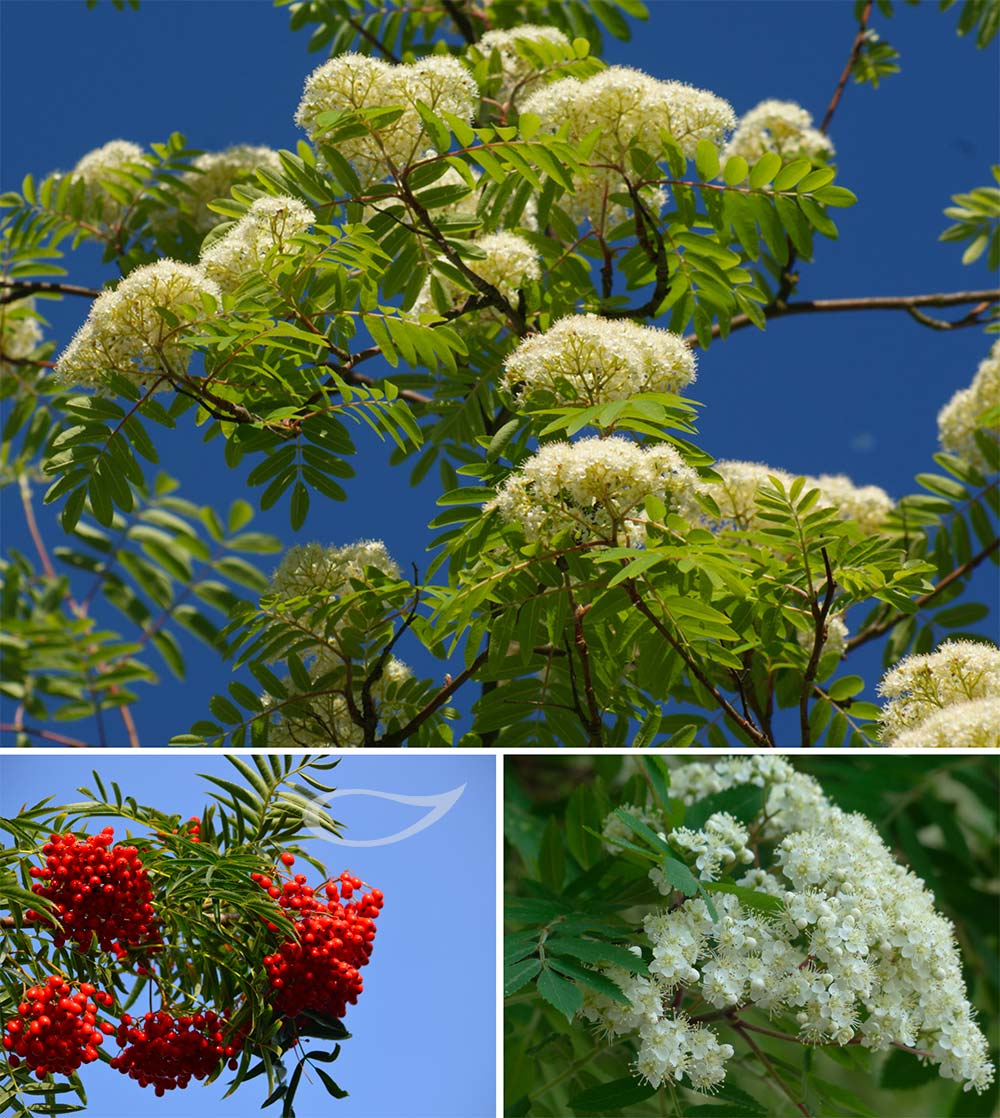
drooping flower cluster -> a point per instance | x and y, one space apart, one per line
596 488
107 163
957 420
850 945
355 82
213 174
628 108
125 333
517 72
930 696
587 360
735 495
782 127
509 265
20 333
267 229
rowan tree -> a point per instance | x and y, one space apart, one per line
501 256
174 950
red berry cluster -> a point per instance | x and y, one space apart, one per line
319 970
164 1051
99 890
55 1030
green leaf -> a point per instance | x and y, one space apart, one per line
706 159
744 802
679 876
735 170
846 688
640 828
518 975
331 1087
564 995
606 1098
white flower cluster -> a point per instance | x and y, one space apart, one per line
587 360
107 162
510 264
627 107
124 332
213 174
20 333
265 230
595 487
970 725
867 505
354 82
929 697
835 640
719 845
328 720
957 419
856 952
782 127
736 493
516 70
311 567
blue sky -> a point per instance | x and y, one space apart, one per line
855 394
423 1043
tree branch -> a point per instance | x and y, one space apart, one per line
866 303
851 60
731 712
393 741
820 614
13 290
770 1068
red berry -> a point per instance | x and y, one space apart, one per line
288 859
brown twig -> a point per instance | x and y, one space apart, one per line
393 741
879 628
731 712
851 60
865 303
373 39
820 613
771 1070
46 735
24 289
